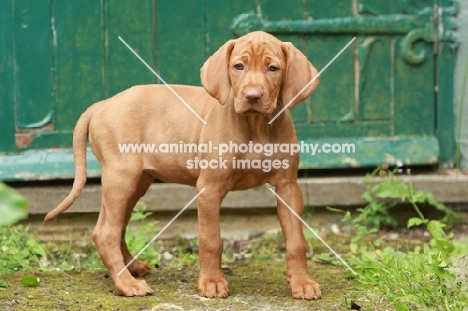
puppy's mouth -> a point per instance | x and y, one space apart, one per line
253 111
246 108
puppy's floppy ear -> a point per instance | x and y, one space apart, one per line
299 72
215 73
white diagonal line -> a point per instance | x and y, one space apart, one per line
159 233
313 231
162 80
312 81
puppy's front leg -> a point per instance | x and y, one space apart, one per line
211 282
302 286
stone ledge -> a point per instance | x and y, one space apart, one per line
320 191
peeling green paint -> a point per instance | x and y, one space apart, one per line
45 164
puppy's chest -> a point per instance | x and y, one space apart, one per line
244 179
252 170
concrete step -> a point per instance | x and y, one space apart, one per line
446 185
244 213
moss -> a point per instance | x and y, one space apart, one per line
254 285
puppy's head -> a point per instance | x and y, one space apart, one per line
257 73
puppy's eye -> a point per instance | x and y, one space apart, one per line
273 68
239 66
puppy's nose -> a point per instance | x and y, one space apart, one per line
253 95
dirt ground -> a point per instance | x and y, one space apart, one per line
254 285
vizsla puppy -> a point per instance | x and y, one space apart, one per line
246 82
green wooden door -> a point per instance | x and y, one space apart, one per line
61 57
389 94
380 94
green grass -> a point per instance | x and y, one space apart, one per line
21 250
412 281
431 277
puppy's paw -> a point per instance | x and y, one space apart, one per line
213 287
139 268
303 287
133 287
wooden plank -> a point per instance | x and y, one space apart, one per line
219 16
47 139
322 9
346 129
375 86
78 58
445 96
45 164
180 40
33 82
133 21
372 7
445 105
414 94
7 126
334 98
358 152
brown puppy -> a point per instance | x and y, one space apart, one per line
246 82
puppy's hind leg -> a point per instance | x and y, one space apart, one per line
137 267
119 190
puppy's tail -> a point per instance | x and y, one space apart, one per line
80 137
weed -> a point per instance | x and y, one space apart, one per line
137 239
22 251
268 246
381 198
4 284
427 278
182 252
19 251
190 259
390 192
